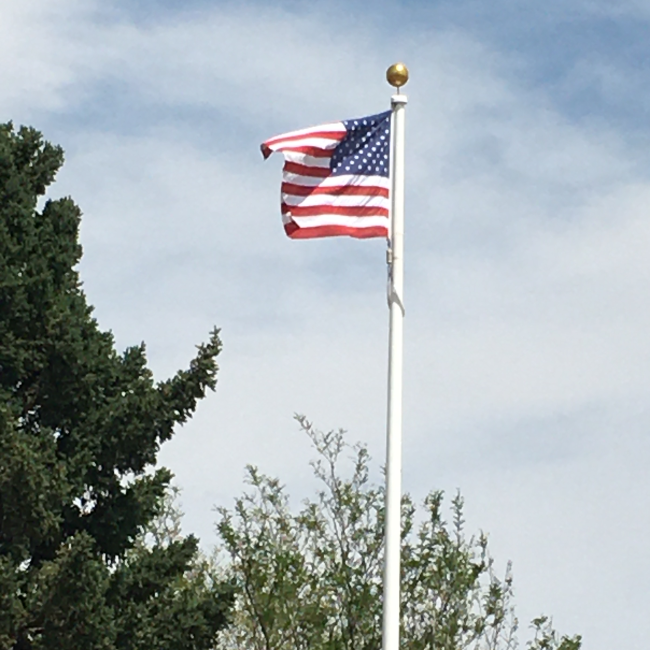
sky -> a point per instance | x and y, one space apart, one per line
527 350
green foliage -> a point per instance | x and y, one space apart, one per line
546 638
176 594
80 429
312 580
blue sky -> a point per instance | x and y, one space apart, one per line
528 312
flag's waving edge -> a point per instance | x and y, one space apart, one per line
335 179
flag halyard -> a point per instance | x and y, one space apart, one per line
335 179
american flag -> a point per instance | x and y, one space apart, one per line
335 179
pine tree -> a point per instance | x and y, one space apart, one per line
80 429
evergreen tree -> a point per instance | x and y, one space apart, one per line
80 429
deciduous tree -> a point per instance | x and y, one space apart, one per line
312 579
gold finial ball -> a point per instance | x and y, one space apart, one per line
397 75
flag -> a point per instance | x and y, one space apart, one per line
335 179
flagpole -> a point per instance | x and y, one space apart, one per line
397 76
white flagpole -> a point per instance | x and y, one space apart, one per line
397 76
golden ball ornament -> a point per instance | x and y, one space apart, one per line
397 75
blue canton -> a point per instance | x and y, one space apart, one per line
365 148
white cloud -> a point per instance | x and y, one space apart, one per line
44 48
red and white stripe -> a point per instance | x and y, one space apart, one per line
317 204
